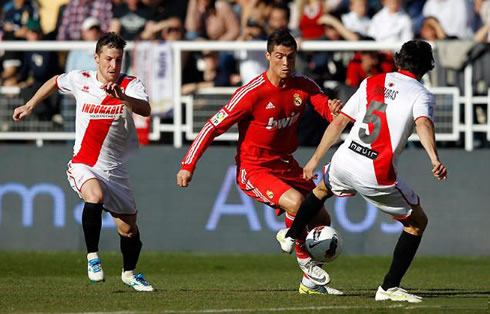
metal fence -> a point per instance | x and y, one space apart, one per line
450 120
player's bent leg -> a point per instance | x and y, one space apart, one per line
403 254
309 208
130 248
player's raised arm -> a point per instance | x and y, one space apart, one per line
425 131
331 135
46 90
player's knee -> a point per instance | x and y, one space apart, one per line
128 231
417 224
95 197
295 203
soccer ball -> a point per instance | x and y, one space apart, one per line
324 244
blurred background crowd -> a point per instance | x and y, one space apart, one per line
464 22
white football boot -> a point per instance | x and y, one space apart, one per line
314 272
94 267
287 243
396 294
137 281
303 289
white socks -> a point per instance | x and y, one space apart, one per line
93 255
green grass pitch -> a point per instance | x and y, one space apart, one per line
241 283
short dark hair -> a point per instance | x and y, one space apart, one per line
111 40
281 37
416 57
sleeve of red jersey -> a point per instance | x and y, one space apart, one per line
230 114
318 99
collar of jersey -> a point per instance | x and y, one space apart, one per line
272 85
407 73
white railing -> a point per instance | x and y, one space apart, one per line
178 128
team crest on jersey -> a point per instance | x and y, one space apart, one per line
297 100
269 194
218 117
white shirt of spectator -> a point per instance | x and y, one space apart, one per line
105 131
357 24
455 16
406 100
386 26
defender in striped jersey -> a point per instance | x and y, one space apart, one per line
267 111
105 138
385 109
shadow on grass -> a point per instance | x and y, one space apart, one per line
427 293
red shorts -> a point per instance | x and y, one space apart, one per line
266 185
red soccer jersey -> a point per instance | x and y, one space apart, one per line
267 118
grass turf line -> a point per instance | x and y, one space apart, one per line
203 283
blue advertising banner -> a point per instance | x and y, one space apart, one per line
39 211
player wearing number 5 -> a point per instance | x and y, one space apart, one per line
385 109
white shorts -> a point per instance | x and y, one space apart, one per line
118 197
395 199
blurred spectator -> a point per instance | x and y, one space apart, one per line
431 30
310 12
482 8
84 59
414 10
391 23
169 29
213 74
48 13
77 11
37 68
252 63
356 20
333 6
455 16
258 9
279 18
211 19
16 14
159 7
335 30
129 19
366 64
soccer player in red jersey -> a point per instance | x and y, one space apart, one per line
267 110
385 110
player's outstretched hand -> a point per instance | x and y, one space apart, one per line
308 171
335 105
183 178
439 171
21 112
113 90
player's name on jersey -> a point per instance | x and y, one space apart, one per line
111 110
362 150
387 92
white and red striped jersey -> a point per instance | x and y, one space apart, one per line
384 109
104 127
267 118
